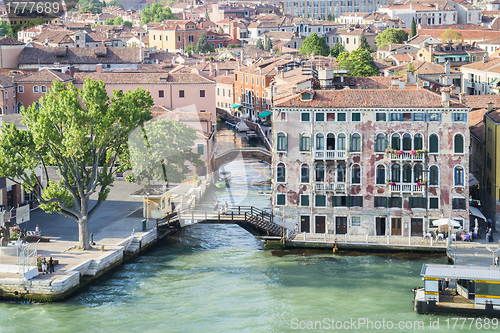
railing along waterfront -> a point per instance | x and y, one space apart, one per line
394 240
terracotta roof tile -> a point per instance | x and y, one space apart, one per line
9 41
481 101
144 78
46 75
368 98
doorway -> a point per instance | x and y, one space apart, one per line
341 224
417 227
396 226
320 224
380 226
305 223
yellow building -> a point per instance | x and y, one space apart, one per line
24 19
492 154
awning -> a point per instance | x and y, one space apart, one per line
476 212
264 114
494 82
472 180
235 106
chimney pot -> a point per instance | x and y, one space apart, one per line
489 107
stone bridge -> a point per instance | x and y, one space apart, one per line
229 155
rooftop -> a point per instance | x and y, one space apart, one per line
368 98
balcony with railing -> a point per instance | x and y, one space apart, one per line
407 187
333 187
401 155
331 154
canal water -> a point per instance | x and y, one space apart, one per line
218 278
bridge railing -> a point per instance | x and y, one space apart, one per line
210 212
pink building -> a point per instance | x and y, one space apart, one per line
187 92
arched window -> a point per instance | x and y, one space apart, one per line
330 141
282 142
36 89
6 110
356 174
396 173
433 175
304 173
417 173
19 106
406 173
396 141
433 143
418 142
305 142
0 110
320 172
341 141
320 141
380 176
380 142
356 142
459 144
406 142
44 89
459 175
341 172
281 173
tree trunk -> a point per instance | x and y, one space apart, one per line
83 234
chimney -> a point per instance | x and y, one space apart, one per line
260 70
98 68
282 74
489 107
445 96
447 67
461 97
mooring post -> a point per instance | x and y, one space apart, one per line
245 216
232 215
251 210
205 215
239 207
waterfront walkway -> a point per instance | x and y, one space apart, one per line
477 253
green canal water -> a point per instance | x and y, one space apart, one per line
218 278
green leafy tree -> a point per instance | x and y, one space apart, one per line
109 22
363 44
115 3
391 36
259 44
207 16
331 17
450 36
128 24
269 44
6 29
83 133
359 63
413 31
337 49
90 9
162 151
156 12
118 21
189 49
202 45
314 44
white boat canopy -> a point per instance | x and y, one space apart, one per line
461 272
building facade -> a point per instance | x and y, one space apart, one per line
320 9
374 162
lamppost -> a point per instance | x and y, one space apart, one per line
147 209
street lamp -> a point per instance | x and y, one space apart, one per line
147 208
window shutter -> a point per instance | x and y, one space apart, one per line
300 142
350 142
361 201
385 142
412 117
333 201
361 142
425 204
285 145
400 201
401 117
410 202
349 201
309 146
387 202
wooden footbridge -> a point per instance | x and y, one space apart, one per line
252 219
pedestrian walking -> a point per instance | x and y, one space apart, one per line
44 266
51 265
225 207
497 258
216 206
489 223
